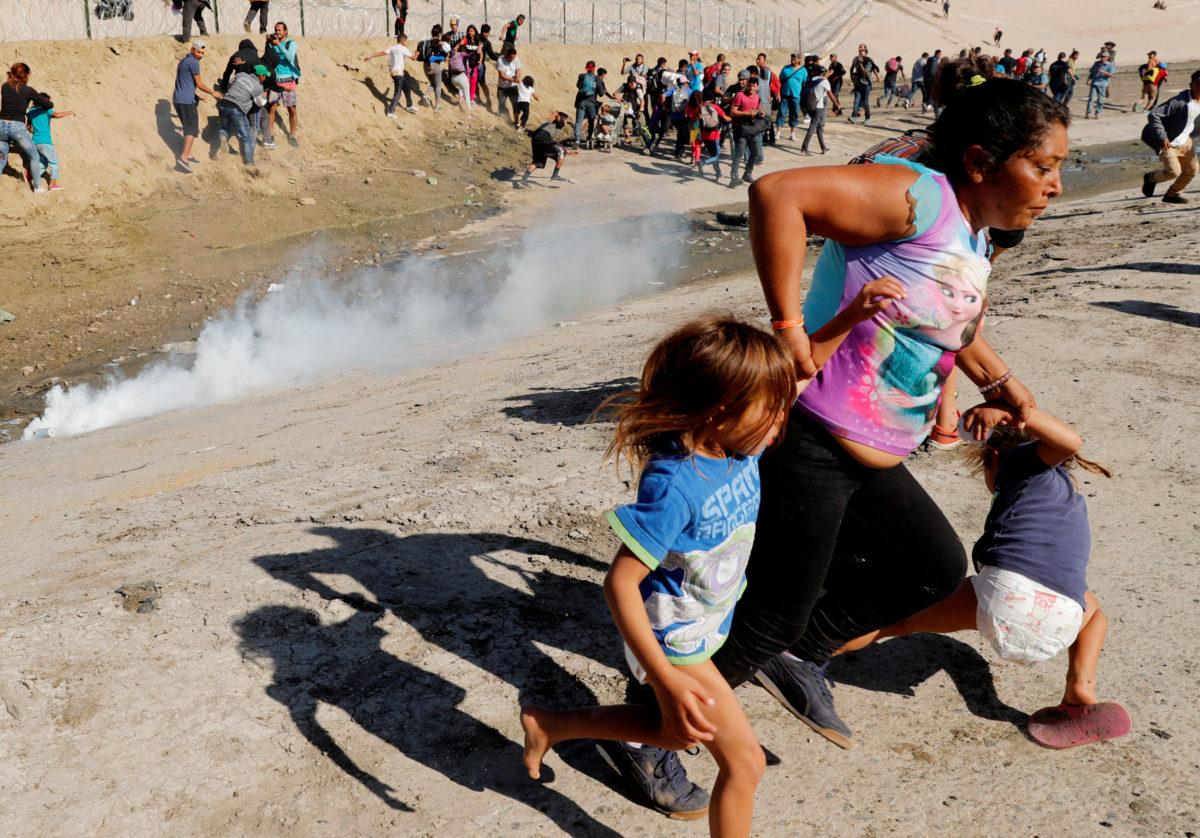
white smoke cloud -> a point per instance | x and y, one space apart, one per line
419 313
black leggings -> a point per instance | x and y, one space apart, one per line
871 539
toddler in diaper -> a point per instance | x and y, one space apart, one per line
1030 597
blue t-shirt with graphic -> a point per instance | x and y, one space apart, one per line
693 526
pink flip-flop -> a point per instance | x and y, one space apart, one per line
1071 725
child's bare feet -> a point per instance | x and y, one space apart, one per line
537 740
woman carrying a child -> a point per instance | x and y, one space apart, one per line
848 542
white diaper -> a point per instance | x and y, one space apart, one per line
1026 622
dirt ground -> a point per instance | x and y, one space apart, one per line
334 597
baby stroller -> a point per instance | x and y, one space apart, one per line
634 134
605 133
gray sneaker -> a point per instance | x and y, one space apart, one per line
800 686
657 778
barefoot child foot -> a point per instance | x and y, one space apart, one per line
537 741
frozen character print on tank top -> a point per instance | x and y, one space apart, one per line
882 387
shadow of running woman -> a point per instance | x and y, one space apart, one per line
422 580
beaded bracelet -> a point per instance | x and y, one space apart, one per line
997 384
780 325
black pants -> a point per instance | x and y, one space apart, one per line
683 130
402 84
193 10
841 549
507 97
258 7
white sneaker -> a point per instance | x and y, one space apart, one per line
411 110
41 190
390 115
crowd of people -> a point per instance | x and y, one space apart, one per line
715 111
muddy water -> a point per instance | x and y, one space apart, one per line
1108 167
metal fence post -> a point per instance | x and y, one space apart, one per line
529 22
302 33
564 21
87 18
643 21
485 19
216 17
593 23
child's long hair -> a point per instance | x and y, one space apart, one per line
1005 438
710 369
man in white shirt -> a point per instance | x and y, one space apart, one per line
508 69
1169 131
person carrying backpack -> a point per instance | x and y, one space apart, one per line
677 102
893 69
814 101
861 69
432 54
706 149
585 102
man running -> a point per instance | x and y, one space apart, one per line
546 147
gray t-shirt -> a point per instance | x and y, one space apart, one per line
245 92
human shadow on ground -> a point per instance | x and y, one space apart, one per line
1148 267
210 133
384 97
672 168
902 663
1157 311
168 131
444 586
563 405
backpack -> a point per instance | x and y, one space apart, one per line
654 79
587 85
907 147
892 66
709 119
679 100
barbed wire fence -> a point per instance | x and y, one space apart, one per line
692 22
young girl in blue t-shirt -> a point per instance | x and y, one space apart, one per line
713 396
1029 597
